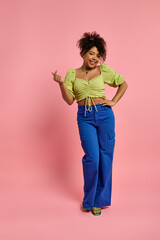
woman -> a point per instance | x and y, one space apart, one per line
96 122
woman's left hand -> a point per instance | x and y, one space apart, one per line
107 102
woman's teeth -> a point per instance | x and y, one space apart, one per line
92 62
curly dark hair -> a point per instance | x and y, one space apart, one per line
89 40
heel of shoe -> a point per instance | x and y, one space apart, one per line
86 208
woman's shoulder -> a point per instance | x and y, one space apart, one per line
103 65
71 70
70 74
105 68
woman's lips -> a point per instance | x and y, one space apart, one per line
92 62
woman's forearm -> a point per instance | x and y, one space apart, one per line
121 90
66 94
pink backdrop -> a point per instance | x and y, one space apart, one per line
41 178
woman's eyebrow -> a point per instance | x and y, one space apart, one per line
93 52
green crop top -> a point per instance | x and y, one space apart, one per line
81 89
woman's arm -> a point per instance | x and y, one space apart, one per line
121 90
66 94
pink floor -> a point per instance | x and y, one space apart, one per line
36 206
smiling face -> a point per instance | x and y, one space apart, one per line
91 58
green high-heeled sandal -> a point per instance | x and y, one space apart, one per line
96 208
86 208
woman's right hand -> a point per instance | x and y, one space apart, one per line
57 77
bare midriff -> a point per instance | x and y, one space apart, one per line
96 101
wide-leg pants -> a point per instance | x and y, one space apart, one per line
97 135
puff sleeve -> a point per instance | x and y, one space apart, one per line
69 82
111 77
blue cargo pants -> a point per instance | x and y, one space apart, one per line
97 135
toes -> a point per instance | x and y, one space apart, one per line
96 209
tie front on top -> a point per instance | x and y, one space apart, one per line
81 89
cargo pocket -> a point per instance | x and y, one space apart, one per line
111 140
